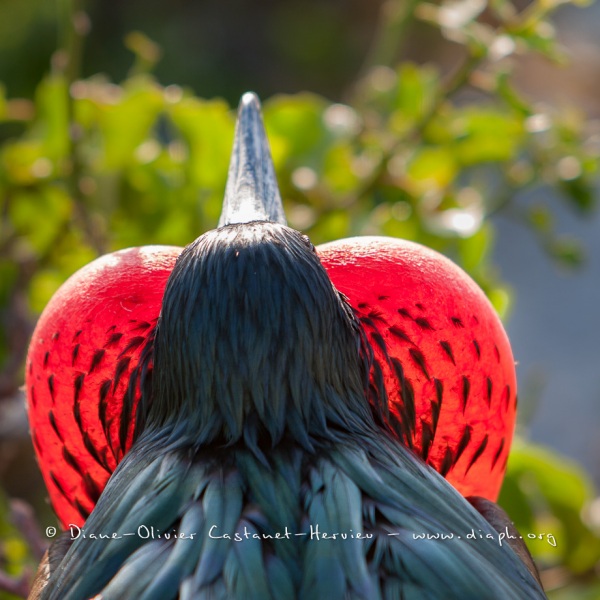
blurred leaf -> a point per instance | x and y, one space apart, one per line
501 299
541 218
474 249
296 129
413 94
452 15
3 103
335 224
207 126
581 194
15 554
568 251
147 52
339 173
8 276
22 162
43 285
432 168
24 211
539 36
486 135
545 495
578 591
52 120
406 229
126 123
508 93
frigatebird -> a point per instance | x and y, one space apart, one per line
261 463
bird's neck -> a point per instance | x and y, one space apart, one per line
237 391
254 343
261 412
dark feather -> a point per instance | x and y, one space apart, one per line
258 465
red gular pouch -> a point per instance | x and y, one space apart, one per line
441 356
441 359
82 372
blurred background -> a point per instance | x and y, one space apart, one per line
470 126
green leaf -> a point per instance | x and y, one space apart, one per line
52 121
126 121
23 163
24 210
486 135
15 554
9 272
501 298
545 494
568 251
413 95
576 591
3 103
339 172
538 36
331 226
146 51
207 129
296 129
474 250
506 91
432 168
541 218
581 194
44 284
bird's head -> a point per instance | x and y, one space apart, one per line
253 340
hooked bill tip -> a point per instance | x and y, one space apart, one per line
251 193
250 99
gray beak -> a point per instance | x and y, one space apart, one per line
251 193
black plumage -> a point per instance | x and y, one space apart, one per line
258 469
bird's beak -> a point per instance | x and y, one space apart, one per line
251 193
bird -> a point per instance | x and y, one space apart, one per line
261 461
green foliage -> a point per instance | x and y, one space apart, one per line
118 165
88 166
16 560
547 495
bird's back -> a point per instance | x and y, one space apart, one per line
347 521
